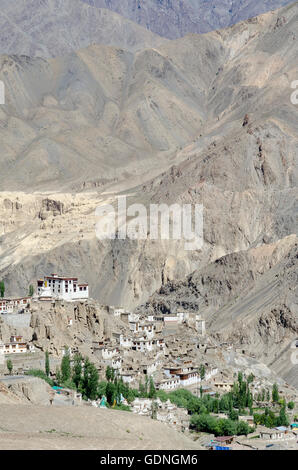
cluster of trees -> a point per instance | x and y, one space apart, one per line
232 403
219 426
114 387
80 374
270 419
201 405
241 396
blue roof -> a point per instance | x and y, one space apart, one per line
281 428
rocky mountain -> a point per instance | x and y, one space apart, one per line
173 19
49 28
104 114
203 119
249 299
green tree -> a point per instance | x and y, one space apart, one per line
152 390
9 366
77 371
291 405
275 394
110 374
243 428
58 378
233 415
31 290
283 419
90 380
111 392
101 389
65 367
2 289
47 363
202 371
142 390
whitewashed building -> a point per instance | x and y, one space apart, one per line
107 353
200 325
142 344
62 288
116 311
169 384
14 305
126 341
17 345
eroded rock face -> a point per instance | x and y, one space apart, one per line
76 325
49 208
32 389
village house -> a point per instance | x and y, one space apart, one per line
188 378
149 367
5 306
124 316
159 343
223 386
14 305
142 344
210 372
247 419
142 406
116 362
168 384
116 311
16 345
62 288
224 440
165 412
107 352
171 319
147 329
183 316
127 377
133 317
277 433
125 341
134 326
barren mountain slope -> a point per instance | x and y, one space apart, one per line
84 427
249 299
103 114
173 19
48 28
224 98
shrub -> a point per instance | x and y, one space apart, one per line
40 374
